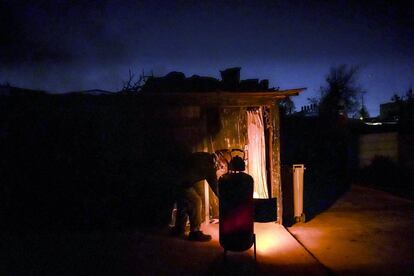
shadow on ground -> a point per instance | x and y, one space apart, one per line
325 148
150 253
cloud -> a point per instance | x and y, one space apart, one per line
59 32
67 45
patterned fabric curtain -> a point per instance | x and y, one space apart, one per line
257 152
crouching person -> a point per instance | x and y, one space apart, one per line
201 166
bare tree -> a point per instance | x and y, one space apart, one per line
409 96
287 106
342 92
132 85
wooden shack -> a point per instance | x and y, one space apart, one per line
211 121
94 160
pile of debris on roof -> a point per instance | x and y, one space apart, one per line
177 82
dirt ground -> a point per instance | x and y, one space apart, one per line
366 232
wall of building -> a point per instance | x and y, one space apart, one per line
378 144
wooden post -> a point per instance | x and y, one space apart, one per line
270 153
206 192
274 158
277 167
206 203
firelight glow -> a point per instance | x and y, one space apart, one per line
267 240
270 240
266 244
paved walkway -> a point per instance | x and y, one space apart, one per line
155 254
366 232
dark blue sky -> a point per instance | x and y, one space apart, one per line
73 45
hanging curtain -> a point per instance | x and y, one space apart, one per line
257 152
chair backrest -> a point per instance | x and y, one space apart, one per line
236 211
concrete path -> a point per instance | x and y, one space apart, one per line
366 232
278 253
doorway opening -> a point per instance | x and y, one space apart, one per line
256 152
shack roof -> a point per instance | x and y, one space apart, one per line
221 98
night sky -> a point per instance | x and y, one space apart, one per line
74 45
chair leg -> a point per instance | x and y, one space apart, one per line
254 244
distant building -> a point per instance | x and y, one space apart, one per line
390 111
310 110
390 135
397 110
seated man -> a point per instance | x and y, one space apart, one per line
236 207
201 165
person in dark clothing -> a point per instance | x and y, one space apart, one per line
200 166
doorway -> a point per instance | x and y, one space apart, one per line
256 152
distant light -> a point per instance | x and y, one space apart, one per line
373 124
